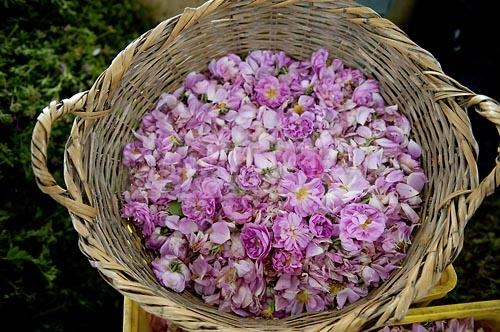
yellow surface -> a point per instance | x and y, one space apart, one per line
134 318
137 320
487 311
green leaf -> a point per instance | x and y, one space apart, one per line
16 254
175 208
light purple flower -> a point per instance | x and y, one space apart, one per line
202 273
226 68
363 94
198 242
304 196
297 126
290 232
287 261
156 239
256 240
175 245
141 215
414 149
133 153
237 208
362 222
171 272
321 227
349 184
329 93
296 296
271 92
198 207
248 178
310 163
318 59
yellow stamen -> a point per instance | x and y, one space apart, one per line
302 193
298 108
303 296
367 223
335 287
184 174
271 93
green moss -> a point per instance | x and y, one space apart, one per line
50 49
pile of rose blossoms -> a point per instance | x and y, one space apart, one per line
271 186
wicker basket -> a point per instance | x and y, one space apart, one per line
486 313
137 320
159 60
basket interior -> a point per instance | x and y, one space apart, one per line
299 30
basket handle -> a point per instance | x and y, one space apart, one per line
39 143
490 110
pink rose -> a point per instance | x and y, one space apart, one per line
362 222
287 261
237 208
256 241
310 163
321 227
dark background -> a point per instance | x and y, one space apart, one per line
51 49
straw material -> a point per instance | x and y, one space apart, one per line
159 60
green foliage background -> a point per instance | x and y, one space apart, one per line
51 49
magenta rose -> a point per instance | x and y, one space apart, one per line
287 261
310 163
248 178
271 92
197 207
171 272
297 126
362 222
318 59
256 241
237 208
363 94
321 227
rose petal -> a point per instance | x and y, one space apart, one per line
406 191
417 180
187 227
313 250
410 213
220 233
270 118
414 149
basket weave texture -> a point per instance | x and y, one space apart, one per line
158 61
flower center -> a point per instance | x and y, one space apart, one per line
271 93
335 286
231 275
367 223
184 174
293 232
298 108
256 243
175 267
302 193
303 296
